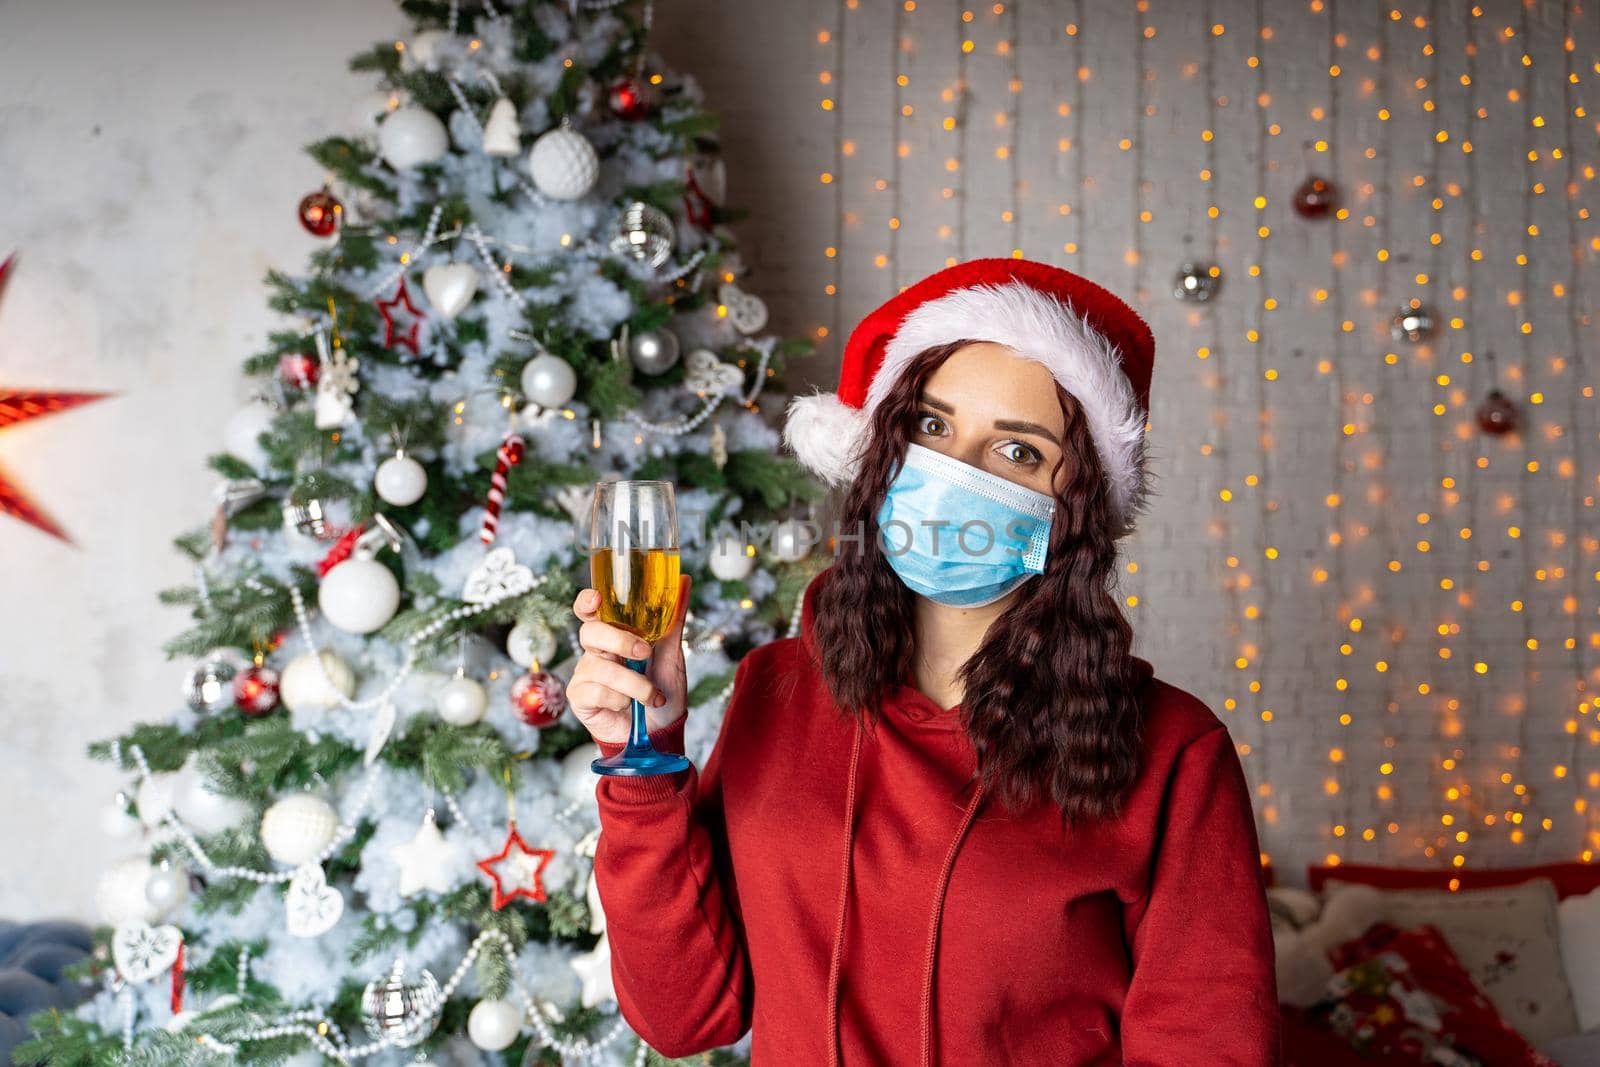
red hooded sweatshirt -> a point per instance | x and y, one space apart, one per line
852 896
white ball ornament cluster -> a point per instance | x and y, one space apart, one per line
203 809
462 701
400 480
563 164
493 1024
731 560
119 896
307 686
297 828
412 137
549 380
359 595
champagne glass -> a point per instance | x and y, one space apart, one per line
633 561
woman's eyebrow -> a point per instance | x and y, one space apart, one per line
1026 427
938 405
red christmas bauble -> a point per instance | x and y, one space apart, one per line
1497 414
298 370
255 690
320 213
628 99
1314 198
540 698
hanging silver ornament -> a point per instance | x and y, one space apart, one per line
645 234
307 518
236 494
208 685
402 1012
653 351
1195 283
1413 323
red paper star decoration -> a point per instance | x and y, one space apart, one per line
391 335
521 871
19 406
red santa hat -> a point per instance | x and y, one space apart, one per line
1096 346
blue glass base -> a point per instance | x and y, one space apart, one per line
640 763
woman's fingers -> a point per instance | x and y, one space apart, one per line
592 696
597 636
587 605
619 679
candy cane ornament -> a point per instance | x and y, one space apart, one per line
509 455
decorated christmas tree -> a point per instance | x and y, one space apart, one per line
365 833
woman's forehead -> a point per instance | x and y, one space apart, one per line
991 381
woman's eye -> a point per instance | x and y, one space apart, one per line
1020 453
932 425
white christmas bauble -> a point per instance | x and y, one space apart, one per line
548 380
359 595
203 809
305 687
578 779
494 1024
154 797
119 895
116 823
527 645
450 287
563 164
297 828
167 888
411 137
462 701
791 541
244 426
731 560
400 480
371 108
422 51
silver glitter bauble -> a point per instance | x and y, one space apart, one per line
653 351
1413 323
208 685
307 518
1196 283
644 233
403 1012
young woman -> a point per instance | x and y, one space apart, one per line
956 821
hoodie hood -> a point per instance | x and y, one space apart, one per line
936 910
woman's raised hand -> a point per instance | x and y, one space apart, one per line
602 687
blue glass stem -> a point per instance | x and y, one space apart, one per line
639 734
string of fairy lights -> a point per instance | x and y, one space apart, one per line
1447 713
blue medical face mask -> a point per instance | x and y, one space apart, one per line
958 535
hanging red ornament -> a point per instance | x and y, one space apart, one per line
255 690
340 551
1497 414
696 204
508 456
391 334
320 213
628 99
1314 198
540 698
298 370
515 871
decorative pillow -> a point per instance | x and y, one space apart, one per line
1578 919
1570 879
1404 998
1506 938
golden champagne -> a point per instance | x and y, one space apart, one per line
638 589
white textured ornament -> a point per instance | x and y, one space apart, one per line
594 970
297 828
527 645
119 895
746 311
245 426
305 687
359 595
730 559
154 797
792 540
311 907
400 480
450 287
498 577
142 952
411 137
427 861
563 164
705 374
461 701
502 135
494 1024
548 380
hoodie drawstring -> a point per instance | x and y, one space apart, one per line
836 962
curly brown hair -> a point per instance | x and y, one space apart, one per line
1052 695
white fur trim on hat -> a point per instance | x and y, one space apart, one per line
825 433
1040 327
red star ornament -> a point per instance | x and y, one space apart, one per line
518 866
20 406
391 334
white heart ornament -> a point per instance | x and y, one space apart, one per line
706 375
746 311
311 907
450 287
498 577
142 952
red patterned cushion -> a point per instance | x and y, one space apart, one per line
1402 997
1570 879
